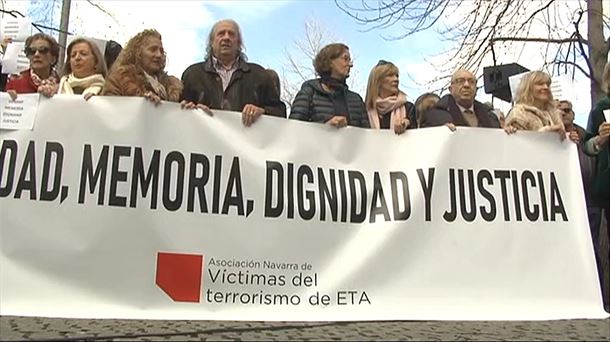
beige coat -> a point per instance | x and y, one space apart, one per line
529 118
130 81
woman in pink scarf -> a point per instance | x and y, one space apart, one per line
385 104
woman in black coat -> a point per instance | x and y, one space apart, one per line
327 99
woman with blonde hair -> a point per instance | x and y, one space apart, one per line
139 71
386 105
84 71
534 108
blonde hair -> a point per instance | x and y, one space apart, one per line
100 63
132 53
525 90
378 73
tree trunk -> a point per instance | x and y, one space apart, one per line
598 47
63 32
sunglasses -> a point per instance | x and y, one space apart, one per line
566 110
383 62
31 51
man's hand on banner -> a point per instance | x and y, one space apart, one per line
574 137
192 105
250 113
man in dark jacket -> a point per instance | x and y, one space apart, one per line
460 108
225 80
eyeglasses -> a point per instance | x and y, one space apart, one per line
346 58
31 51
462 80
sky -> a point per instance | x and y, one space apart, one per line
271 27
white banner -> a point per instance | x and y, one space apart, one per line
115 208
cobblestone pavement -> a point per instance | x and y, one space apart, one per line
36 328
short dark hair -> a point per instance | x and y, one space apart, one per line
54 47
111 52
323 59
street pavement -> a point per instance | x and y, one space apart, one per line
48 329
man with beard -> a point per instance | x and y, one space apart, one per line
225 80
460 108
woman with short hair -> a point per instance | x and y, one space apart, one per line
327 99
42 50
84 70
139 71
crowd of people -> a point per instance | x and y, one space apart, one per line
226 80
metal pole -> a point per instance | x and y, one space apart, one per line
63 33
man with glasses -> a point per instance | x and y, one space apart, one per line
459 108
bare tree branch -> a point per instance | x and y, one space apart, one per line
479 29
537 40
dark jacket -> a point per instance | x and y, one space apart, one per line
315 104
250 84
587 165
447 111
410 112
601 180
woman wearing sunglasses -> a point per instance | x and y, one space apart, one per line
84 71
42 50
386 105
327 99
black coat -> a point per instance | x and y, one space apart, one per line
250 84
447 111
314 104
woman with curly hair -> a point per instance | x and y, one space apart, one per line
534 108
139 71
42 50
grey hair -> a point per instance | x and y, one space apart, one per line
209 51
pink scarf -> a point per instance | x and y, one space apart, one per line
393 105
38 81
